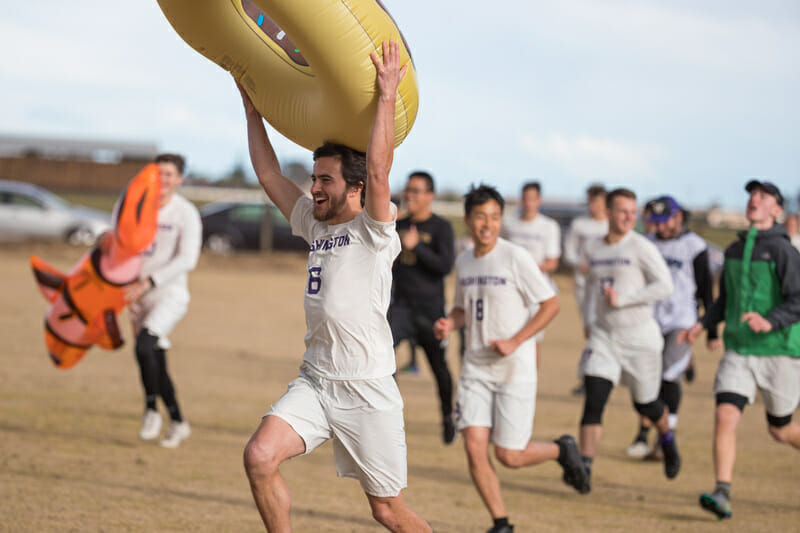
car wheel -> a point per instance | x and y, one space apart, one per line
219 243
81 237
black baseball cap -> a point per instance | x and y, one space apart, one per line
766 186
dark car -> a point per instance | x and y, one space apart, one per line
229 226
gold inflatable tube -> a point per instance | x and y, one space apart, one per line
304 63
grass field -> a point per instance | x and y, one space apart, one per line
70 459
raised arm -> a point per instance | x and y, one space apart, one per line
380 150
280 189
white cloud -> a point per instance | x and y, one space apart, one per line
584 156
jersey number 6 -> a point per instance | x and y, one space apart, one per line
314 280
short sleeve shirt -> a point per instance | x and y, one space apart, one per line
347 293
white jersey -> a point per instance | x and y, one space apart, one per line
175 249
679 310
582 232
347 294
540 236
634 267
496 292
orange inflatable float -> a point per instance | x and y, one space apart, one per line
84 304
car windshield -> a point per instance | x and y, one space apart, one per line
51 199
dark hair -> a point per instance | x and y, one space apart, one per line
596 190
624 193
480 195
424 176
535 185
175 159
354 164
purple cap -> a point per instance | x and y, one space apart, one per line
663 209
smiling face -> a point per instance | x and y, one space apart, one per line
762 208
331 193
171 179
621 215
484 222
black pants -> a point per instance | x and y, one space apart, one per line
414 322
155 378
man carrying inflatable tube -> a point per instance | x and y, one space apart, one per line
345 390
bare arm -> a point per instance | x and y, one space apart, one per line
280 189
549 265
443 326
380 150
548 310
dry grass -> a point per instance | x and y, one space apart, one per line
70 459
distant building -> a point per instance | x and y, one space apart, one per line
73 164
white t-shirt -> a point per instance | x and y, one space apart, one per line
540 236
175 249
634 267
679 310
582 231
347 293
496 292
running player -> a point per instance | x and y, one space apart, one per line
759 301
537 233
626 276
497 284
160 298
345 390
582 231
418 290
686 254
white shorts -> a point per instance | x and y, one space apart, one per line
159 312
776 376
676 357
363 417
628 355
507 408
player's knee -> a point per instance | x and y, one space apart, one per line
507 458
384 513
597 391
260 458
146 345
653 410
777 427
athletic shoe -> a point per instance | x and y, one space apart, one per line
177 432
448 430
672 459
575 474
716 503
638 449
409 369
151 425
509 528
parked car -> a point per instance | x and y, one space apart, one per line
229 226
28 211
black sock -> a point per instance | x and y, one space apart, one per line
643 431
150 402
723 488
500 522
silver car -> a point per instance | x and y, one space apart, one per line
28 211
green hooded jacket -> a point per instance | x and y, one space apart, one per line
761 274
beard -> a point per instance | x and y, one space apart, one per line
332 207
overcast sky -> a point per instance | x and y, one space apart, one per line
685 97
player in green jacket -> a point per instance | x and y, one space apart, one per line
759 302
